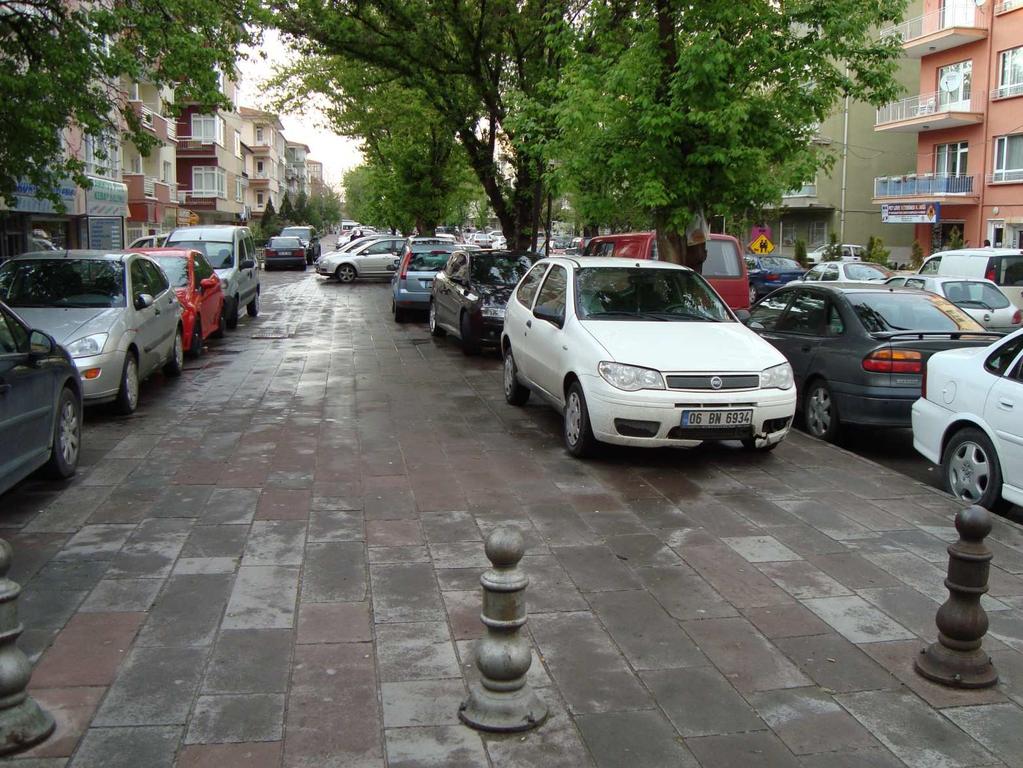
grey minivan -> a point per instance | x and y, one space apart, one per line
419 263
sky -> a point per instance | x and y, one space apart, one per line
337 153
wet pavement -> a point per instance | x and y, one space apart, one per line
275 562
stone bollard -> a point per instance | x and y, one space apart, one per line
503 701
957 658
23 723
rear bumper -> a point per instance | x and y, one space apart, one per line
930 421
285 261
875 406
411 299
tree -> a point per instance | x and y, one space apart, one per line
64 65
268 221
800 252
917 255
324 208
681 109
301 214
287 213
876 252
833 251
955 240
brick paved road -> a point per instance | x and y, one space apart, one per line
275 563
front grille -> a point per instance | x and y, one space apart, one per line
687 433
703 381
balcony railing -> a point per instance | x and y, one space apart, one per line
172 129
1009 176
807 190
923 105
924 185
149 186
949 17
1008 5
1007 91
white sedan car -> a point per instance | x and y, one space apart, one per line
980 299
641 353
968 421
847 272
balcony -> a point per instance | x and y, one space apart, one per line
163 128
927 187
142 188
951 26
1007 91
929 112
807 190
1008 5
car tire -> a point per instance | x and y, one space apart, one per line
67 436
578 433
470 341
345 273
514 392
252 308
435 329
176 362
232 314
195 343
972 471
750 444
400 315
820 412
128 394
221 325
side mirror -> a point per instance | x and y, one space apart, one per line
743 315
143 300
753 325
550 314
40 344
392 267
247 264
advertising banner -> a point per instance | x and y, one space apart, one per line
910 213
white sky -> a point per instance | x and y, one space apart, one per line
337 153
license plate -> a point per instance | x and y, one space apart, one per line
711 419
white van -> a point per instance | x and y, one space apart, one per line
1002 266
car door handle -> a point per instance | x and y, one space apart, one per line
4 389
529 323
806 348
1007 404
156 309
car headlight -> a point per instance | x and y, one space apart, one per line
778 377
630 377
87 346
489 311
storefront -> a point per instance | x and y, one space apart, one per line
106 207
32 222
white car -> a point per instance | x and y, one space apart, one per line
641 353
968 421
847 272
366 257
849 253
980 299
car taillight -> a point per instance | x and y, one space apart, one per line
270 252
1017 318
772 276
889 360
404 265
298 253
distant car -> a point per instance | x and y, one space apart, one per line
858 351
366 257
980 299
469 295
115 313
199 294
968 421
768 273
40 403
148 241
420 261
847 272
310 240
848 253
284 251
1002 266
483 239
43 244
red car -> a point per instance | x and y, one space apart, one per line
198 289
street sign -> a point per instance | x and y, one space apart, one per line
762 246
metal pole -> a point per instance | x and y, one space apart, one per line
845 165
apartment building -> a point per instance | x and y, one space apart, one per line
151 180
263 133
314 169
211 175
296 170
966 115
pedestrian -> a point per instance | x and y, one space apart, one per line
987 243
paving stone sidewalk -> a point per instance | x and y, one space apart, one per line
276 563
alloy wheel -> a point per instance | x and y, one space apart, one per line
70 433
573 418
345 273
509 375
969 472
433 317
131 381
819 412
752 295
179 350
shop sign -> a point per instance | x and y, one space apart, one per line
26 198
106 198
910 213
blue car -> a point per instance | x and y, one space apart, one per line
418 264
767 273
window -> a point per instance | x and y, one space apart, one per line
817 232
8 344
168 172
722 259
806 315
202 267
768 311
239 190
998 363
103 156
1009 158
455 264
950 159
220 80
208 128
917 283
930 266
208 181
553 294
237 144
815 274
1010 82
836 325
259 167
954 86
259 199
155 277
1008 270
830 272
530 283
259 135
139 280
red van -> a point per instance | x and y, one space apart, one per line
724 268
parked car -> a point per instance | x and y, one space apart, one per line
284 251
858 351
420 261
199 294
482 239
148 241
847 272
115 313
368 257
967 420
233 255
40 403
980 299
767 273
469 295
849 253
724 268
310 240
1002 266
641 353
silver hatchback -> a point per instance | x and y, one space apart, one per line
115 313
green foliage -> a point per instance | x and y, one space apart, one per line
833 252
268 222
955 240
66 65
917 257
301 214
800 253
323 208
876 252
287 212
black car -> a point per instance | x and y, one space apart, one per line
858 352
40 403
284 251
310 240
469 295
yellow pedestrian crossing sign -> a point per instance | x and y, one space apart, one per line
762 246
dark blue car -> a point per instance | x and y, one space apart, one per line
766 273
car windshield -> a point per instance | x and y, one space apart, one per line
622 293
500 270
284 242
779 262
301 232
866 272
219 253
968 293
899 311
430 259
62 283
176 269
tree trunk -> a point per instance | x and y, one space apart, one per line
671 246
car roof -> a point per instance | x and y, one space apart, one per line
610 261
201 232
854 287
179 252
94 255
298 226
981 252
